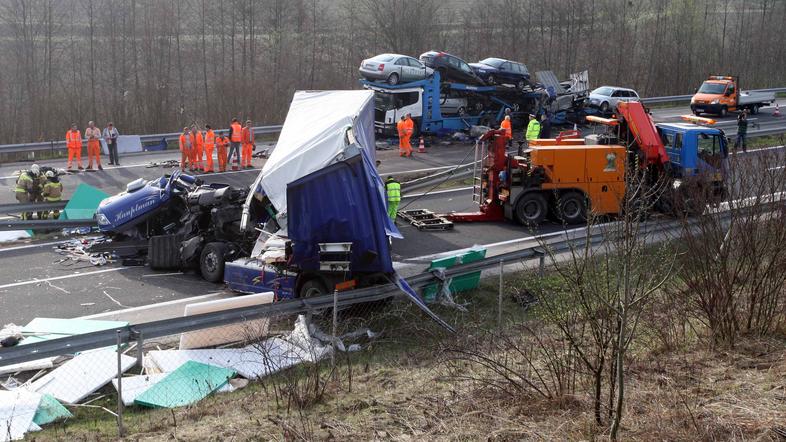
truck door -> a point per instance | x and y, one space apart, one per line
730 97
711 151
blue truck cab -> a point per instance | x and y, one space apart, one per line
695 149
440 108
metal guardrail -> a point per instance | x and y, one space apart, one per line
45 224
677 98
172 326
32 207
61 144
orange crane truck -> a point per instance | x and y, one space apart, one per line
569 177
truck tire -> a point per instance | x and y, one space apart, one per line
755 109
724 111
311 288
531 209
163 252
572 208
212 260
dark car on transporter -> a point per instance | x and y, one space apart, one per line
451 67
500 71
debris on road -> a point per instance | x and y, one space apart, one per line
225 334
189 383
168 164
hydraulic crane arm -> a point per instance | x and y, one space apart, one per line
644 132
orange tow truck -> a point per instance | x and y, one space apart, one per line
721 94
570 177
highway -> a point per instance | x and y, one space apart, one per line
34 284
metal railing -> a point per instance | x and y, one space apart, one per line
61 144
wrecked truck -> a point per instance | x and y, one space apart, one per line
318 204
179 222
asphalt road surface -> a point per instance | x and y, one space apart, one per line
33 283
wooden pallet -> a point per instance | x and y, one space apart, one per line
424 219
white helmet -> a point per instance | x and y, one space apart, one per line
35 169
50 174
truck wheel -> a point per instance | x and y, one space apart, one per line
212 260
163 252
531 209
724 111
393 79
572 208
754 109
312 288
696 112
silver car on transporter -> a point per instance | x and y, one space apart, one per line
394 68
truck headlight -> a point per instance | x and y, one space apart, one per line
716 101
102 219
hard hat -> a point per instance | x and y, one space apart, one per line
50 174
35 169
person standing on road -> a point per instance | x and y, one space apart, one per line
545 126
74 145
235 138
26 187
221 144
393 190
247 136
110 136
210 144
186 145
199 147
507 127
409 129
742 132
400 131
93 135
533 128
52 192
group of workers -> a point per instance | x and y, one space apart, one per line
405 128
36 185
93 136
197 146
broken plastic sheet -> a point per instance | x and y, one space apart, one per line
44 329
402 284
133 386
81 376
314 136
14 235
225 334
17 409
50 410
189 383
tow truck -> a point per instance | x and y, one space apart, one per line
720 94
568 177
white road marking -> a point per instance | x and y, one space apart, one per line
776 168
56 278
114 300
153 275
154 306
30 246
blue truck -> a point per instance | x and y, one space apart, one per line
441 108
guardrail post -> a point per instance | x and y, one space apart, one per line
335 328
140 344
541 264
499 297
121 431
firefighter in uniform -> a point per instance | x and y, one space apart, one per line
393 190
28 188
52 192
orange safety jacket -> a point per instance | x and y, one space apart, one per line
409 125
187 146
507 127
248 135
237 130
199 140
221 142
73 139
210 139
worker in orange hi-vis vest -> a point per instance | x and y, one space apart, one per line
401 137
74 145
199 147
247 135
210 144
409 129
221 146
93 135
235 138
506 126
186 146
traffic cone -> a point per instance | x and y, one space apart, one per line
777 112
422 146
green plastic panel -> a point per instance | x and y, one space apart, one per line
44 329
460 283
83 202
190 383
50 410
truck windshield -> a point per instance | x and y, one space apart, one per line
712 88
384 101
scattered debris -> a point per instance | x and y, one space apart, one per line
189 383
424 219
263 153
50 410
17 409
166 164
81 376
13 235
227 333
44 329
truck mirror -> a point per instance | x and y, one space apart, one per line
728 93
